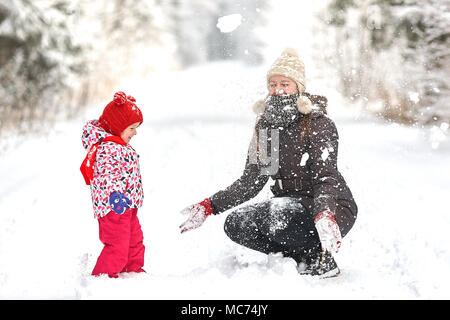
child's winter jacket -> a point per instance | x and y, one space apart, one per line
116 184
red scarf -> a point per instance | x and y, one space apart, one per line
88 164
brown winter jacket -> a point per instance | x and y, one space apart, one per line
307 170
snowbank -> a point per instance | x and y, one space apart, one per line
193 143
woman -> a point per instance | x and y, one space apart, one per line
312 208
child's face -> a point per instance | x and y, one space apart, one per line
279 85
129 132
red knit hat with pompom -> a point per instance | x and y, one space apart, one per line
120 113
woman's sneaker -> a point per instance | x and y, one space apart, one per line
321 265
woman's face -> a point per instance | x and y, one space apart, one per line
279 85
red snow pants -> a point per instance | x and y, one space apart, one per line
123 249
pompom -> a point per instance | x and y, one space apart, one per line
132 99
290 52
304 105
259 106
120 98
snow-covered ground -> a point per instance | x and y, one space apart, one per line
197 127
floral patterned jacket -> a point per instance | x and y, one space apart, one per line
116 183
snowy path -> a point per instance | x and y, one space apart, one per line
193 143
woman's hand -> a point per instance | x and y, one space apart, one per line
197 215
328 230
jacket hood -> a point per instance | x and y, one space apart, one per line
319 102
93 133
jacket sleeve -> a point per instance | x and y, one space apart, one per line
110 173
323 153
243 189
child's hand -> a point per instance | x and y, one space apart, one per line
197 215
118 202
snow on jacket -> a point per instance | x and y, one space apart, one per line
116 171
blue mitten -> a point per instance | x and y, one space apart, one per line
118 202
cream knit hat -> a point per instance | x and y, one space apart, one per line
289 65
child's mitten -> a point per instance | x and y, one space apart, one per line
118 202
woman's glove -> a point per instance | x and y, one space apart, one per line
197 215
328 230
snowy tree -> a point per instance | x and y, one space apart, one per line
121 38
189 21
241 43
425 28
395 52
58 55
198 39
38 57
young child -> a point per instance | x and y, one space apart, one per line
111 168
